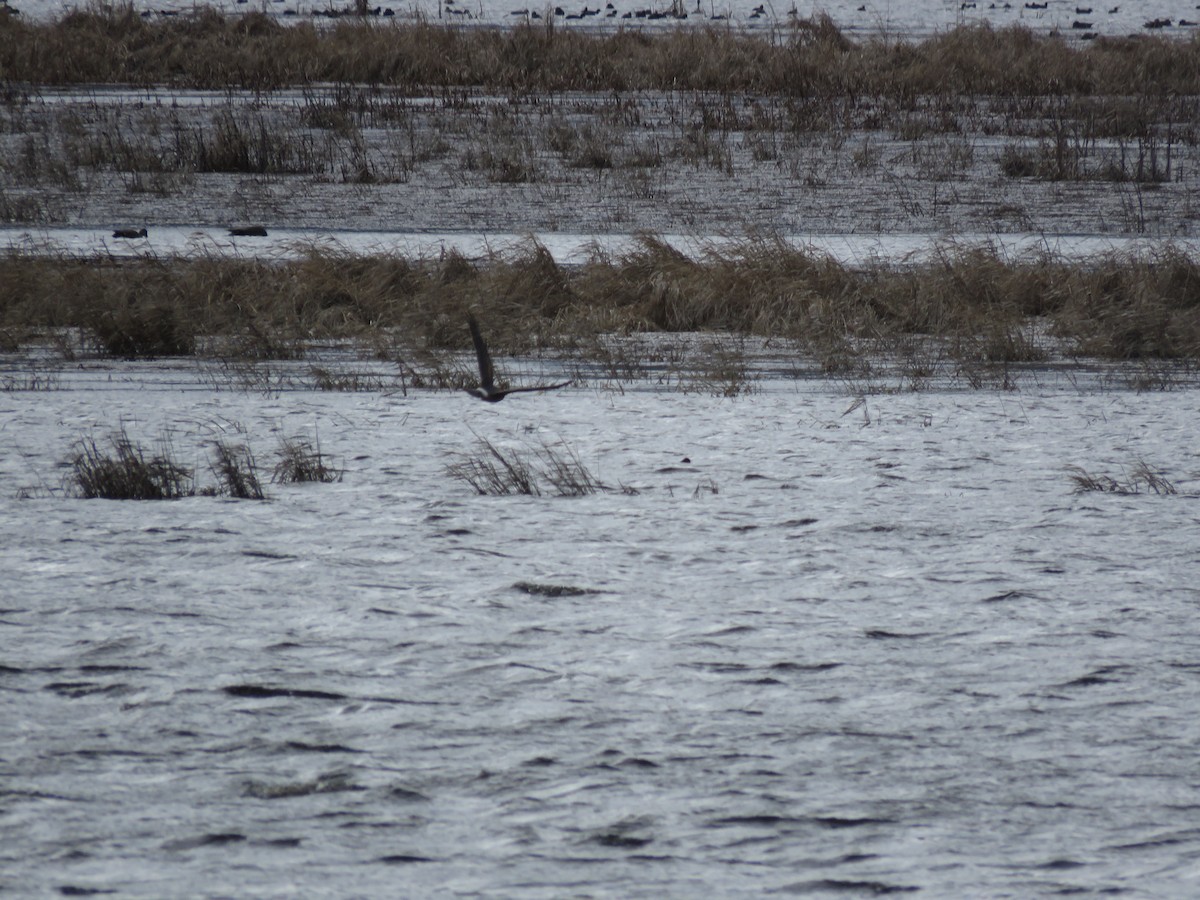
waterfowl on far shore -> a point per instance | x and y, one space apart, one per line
248 231
130 233
487 390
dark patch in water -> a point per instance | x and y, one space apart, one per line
742 528
1007 595
881 634
407 796
639 762
400 859
320 748
621 841
268 554
1099 676
840 822
552 590
717 666
72 890
798 523
859 888
1061 864
540 761
205 840
76 689
260 692
804 667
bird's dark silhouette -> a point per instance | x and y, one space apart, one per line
487 389
130 233
248 231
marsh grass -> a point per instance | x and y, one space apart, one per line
966 313
141 329
495 471
811 58
125 471
300 461
1140 479
236 471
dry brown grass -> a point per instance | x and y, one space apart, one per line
811 58
966 307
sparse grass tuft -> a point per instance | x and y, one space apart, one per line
300 461
126 473
236 471
1141 479
494 471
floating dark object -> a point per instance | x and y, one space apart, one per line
487 389
1081 26
130 233
248 231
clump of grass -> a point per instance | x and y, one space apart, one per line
494 471
301 461
142 330
1141 479
126 472
236 471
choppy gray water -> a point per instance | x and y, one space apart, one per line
827 655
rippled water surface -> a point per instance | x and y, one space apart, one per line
800 652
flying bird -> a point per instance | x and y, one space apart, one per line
130 233
487 389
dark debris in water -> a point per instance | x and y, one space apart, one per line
621 841
320 748
73 890
76 689
841 886
258 691
407 795
804 667
552 590
881 634
400 859
205 840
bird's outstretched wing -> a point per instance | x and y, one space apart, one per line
486 377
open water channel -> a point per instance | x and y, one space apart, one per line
793 650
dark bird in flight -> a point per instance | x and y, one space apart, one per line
130 233
248 231
487 389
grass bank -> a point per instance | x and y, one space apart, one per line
976 306
807 58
